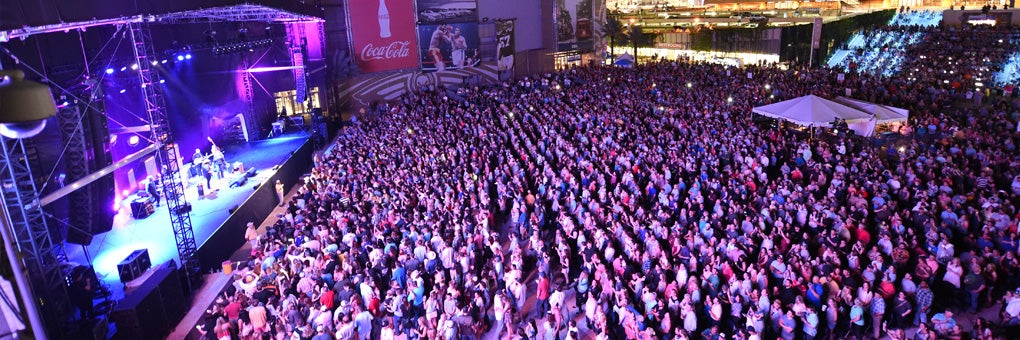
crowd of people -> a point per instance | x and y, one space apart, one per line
645 203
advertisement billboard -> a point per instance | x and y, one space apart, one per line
448 46
574 26
383 32
447 11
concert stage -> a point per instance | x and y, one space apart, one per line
218 218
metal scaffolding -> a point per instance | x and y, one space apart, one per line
42 258
166 157
31 234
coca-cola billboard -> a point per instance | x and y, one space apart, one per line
384 34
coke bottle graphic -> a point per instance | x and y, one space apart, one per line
384 20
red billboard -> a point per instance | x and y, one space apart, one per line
384 34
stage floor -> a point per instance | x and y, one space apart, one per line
207 215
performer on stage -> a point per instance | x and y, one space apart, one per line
153 188
219 163
197 158
207 173
438 37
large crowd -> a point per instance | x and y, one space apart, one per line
645 203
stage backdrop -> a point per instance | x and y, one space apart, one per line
439 40
383 33
505 45
447 11
574 27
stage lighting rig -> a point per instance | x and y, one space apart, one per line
242 46
24 105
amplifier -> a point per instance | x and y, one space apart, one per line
142 207
134 265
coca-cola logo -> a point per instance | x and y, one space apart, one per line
396 49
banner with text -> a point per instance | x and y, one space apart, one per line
383 33
505 46
447 11
574 27
448 46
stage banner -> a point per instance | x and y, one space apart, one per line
432 12
574 28
505 46
383 32
448 46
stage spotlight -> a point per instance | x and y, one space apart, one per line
154 63
123 90
180 58
122 69
26 105
133 141
164 61
162 81
109 71
187 56
134 66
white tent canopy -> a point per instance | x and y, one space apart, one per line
812 110
883 114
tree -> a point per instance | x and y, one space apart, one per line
639 38
613 30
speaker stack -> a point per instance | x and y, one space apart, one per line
134 265
153 309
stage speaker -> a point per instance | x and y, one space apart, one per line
183 209
102 190
142 208
250 173
154 309
134 265
240 180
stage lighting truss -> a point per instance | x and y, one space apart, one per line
242 46
245 12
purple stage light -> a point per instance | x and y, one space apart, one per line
180 58
122 69
164 61
123 90
162 81
187 56
271 69
134 66
133 140
109 71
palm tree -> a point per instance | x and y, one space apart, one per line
639 38
613 30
